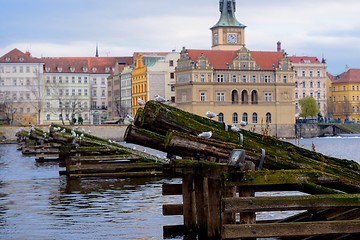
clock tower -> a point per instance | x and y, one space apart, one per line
228 33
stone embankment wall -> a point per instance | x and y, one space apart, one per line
113 132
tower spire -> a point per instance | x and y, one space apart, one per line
97 51
227 18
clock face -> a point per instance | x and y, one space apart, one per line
231 38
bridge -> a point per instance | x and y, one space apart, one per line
308 130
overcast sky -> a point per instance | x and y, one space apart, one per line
51 28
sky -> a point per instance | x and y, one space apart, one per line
54 28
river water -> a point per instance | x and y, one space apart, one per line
37 203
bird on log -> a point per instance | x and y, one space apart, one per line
210 114
205 134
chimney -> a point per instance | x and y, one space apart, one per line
27 53
279 46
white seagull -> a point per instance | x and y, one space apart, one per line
63 131
243 123
130 118
205 134
140 102
159 98
235 128
210 114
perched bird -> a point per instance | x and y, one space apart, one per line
205 134
63 131
140 102
234 128
130 118
243 123
159 98
210 114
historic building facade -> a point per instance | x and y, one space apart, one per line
310 80
153 74
237 84
344 98
21 87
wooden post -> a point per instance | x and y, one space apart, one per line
214 219
189 203
229 218
202 206
248 217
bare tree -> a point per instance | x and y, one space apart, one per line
35 89
7 109
64 104
121 110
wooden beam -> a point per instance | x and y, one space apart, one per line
173 209
290 229
307 202
172 189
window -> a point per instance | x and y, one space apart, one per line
344 88
244 78
267 79
235 118
285 78
67 92
171 63
202 97
311 84
220 97
220 117
311 73
172 75
47 105
202 78
268 97
303 95
73 92
48 117
254 79
234 78
14 70
79 79
296 95
318 73
254 117
48 91
85 80
79 92
245 117
27 69
85 92
318 85
303 73
268 117
220 78
73 80
303 84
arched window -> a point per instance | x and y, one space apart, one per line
235 118
245 117
254 97
221 117
254 117
244 96
234 96
268 117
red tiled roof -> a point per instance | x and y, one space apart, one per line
295 59
15 56
350 76
219 58
99 64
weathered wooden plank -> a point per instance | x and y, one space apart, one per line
171 189
301 229
278 177
259 204
114 167
189 207
118 175
173 209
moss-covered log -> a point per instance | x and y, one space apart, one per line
144 137
161 118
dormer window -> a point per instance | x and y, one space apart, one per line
85 69
94 69
21 59
7 59
72 69
59 69
107 69
47 69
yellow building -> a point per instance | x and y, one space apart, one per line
237 84
139 83
345 95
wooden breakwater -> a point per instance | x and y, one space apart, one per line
219 195
85 155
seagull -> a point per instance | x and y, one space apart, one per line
210 114
159 98
140 101
234 128
62 131
243 123
205 134
130 118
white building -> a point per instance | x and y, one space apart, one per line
21 84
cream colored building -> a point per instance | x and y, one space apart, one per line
310 80
21 85
257 87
